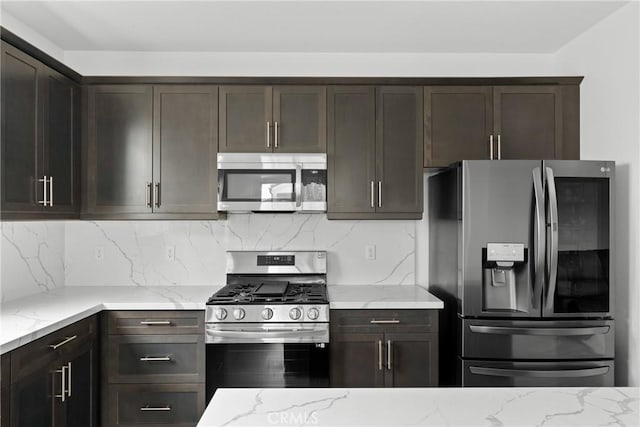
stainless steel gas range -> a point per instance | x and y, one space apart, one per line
269 325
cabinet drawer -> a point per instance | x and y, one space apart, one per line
156 359
156 322
155 404
384 320
61 343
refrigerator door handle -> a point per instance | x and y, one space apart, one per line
534 373
553 238
539 227
563 332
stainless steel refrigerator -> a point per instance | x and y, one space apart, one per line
521 253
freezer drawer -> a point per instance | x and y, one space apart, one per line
483 373
543 339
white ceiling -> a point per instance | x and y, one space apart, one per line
312 26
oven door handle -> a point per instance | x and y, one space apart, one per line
319 335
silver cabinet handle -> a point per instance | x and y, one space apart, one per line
490 147
61 343
373 202
379 194
155 322
69 379
51 191
44 182
156 195
388 355
268 134
149 190
156 408
63 380
155 359
380 355
384 322
534 373
499 147
275 134
558 332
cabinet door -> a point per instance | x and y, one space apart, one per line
21 112
80 406
458 123
411 360
185 145
246 125
60 127
119 149
528 121
351 150
357 360
399 149
32 398
300 119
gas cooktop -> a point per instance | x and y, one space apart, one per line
270 292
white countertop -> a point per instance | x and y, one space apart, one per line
382 296
27 319
423 407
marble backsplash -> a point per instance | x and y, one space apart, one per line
32 258
134 252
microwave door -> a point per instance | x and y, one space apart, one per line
579 209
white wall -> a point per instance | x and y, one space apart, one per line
608 56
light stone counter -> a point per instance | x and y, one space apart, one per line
423 407
27 319
382 296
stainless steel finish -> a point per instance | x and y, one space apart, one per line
569 331
275 133
69 379
379 194
254 313
268 134
295 313
156 408
63 381
267 314
50 191
499 147
156 195
155 359
155 322
385 322
380 355
553 239
373 197
44 200
298 185
63 342
490 147
267 333
538 231
560 373
313 313
221 313
389 351
149 190
306 262
239 313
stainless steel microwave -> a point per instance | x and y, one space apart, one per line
272 182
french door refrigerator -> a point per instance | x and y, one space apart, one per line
521 253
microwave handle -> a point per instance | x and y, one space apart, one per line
298 185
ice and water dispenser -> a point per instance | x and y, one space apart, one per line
505 283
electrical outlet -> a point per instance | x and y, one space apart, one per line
170 253
99 253
370 252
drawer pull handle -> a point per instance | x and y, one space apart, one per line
155 322
385 322
155 359
156 408
65 341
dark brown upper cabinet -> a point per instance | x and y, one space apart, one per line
287 119
151 152
501 122
375 152
40 124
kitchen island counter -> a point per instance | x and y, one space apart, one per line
381 297
27 319
423 407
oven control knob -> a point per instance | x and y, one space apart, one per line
221 314
267 314
238 313
313 313
295 313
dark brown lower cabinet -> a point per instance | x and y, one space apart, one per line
384 348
